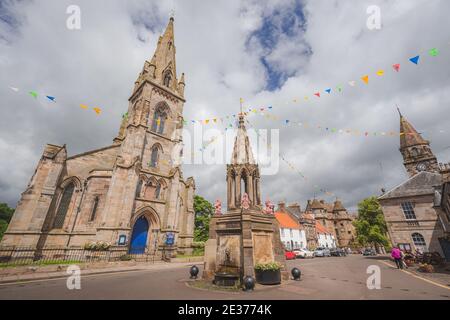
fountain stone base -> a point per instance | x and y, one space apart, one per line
226 280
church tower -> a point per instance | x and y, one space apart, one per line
416 152
150 143
243 173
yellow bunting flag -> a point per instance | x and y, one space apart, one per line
97 110
83 106
380 73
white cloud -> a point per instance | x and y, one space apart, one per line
98 66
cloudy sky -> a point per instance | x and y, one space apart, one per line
267 52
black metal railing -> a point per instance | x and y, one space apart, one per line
24 256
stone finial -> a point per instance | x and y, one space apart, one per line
218 207
245 202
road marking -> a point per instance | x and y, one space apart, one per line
418 277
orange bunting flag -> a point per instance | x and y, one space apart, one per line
97 110
365 79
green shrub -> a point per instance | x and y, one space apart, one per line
198 245
271 266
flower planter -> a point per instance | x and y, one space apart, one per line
268 277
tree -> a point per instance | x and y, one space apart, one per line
6 214
203 212
371 228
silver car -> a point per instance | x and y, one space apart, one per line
322 252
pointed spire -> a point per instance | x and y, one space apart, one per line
338 206
164 56
408 134
242 151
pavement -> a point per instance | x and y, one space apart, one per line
339 278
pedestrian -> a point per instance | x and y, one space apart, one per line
396 254
404 265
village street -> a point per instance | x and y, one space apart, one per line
323 278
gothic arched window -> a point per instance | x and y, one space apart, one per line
63 206
158 191
94 209
154 157
139 188
159 120
167 78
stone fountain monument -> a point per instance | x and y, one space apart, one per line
246 234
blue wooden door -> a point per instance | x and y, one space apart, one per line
139 237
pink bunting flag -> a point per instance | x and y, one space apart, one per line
396 67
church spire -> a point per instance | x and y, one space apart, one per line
243 173
408 135
415 150
242 151
161 69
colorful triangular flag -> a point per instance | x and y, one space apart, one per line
83 106
365 79
339 88
97 110
380 73
396 67
434 52
415 59
328 90
14 89
33 94
352 83
317 94
51 98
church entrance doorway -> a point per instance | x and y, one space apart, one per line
139 236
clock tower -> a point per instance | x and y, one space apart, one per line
416 151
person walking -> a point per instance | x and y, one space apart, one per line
396 254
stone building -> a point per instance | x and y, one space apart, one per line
335 218
129 193
409 209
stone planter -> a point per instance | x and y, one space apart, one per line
268 277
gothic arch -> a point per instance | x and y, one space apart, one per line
67 193
156 151
160 115
150 214
75 180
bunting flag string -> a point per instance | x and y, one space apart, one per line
434 52
34 94
292 166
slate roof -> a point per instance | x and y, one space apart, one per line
421 184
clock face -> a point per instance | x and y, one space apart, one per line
421 167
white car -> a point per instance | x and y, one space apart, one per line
303 253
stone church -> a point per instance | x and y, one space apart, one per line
410 209
130 193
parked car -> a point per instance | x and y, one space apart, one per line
338 252
289 255
322 252
369 252
303 253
